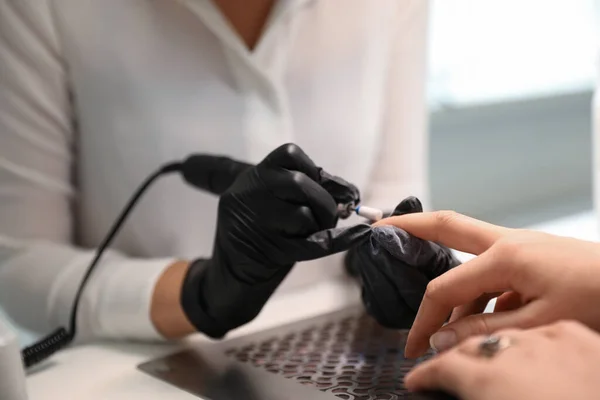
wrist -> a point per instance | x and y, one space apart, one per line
166 312
216 300
194 296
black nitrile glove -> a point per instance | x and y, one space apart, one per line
274 214
394 269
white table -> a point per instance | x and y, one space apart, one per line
108 371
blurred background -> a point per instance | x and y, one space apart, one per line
511 86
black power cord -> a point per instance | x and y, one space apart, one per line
209 173
62 337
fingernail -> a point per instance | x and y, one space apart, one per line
443 340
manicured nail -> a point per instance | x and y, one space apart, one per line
443 340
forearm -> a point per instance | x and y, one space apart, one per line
115 303
166 312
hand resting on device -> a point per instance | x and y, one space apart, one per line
394 269
271 215
552 362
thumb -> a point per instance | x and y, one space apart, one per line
343 192
331 241
486 324
409 205
292 157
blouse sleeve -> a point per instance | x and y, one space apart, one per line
40 269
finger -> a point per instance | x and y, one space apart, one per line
429 258
433 259
299 220
472 346
486 324
475 307
436 260
458 286
213 174
297 188
391 290
508 301
449 229
409 205
293 158
342 191
331 241
564 328
452 372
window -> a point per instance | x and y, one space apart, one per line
510 87
490 50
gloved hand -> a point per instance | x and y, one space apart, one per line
274 214
394 268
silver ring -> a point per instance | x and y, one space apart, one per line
491 345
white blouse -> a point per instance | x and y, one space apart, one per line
96 95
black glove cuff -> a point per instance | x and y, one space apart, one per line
216 301
193 304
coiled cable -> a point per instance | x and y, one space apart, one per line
60 338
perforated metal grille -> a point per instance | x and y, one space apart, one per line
354 358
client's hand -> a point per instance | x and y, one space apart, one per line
540 279
274 214
554 362
394 269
